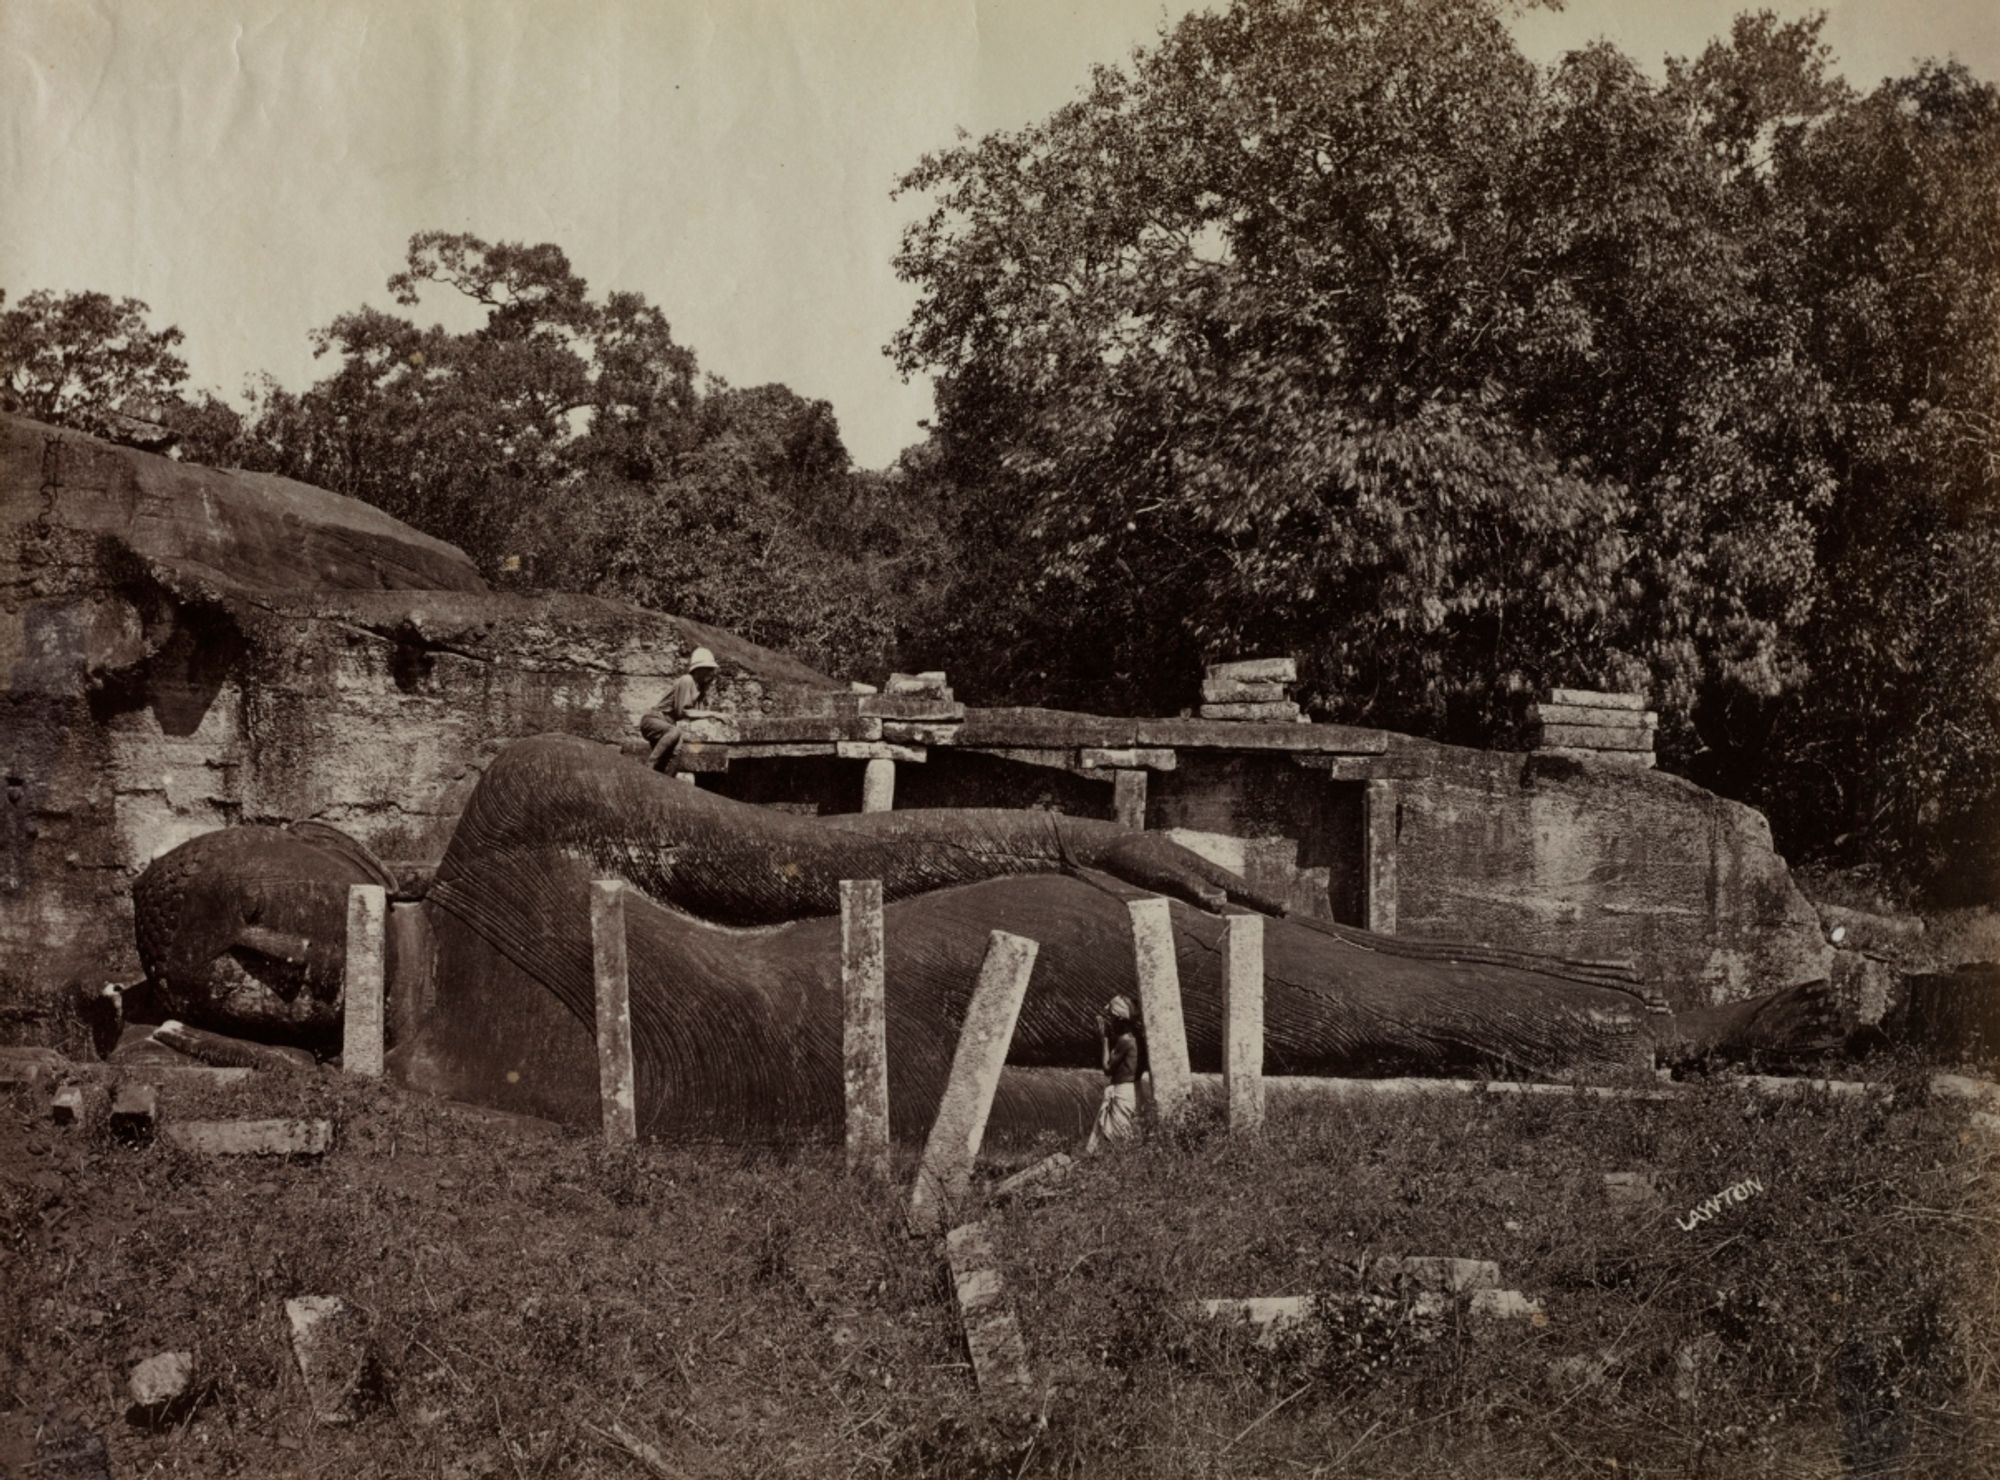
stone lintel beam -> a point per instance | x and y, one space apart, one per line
1052 759
878 750
1125 758
790 750
784 729
1224 734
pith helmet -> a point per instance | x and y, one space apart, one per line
701 658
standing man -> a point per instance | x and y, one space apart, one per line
662 727
1118 1112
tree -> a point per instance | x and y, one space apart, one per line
67 357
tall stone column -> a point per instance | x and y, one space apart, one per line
361 998
1379 856
878 786
615 1082
864 1027
1160 1006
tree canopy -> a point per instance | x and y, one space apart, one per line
1338 328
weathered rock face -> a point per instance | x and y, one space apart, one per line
185 649
1607 861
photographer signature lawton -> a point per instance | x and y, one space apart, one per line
1707 1208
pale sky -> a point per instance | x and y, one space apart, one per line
250 168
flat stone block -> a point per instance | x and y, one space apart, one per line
135 1112
786 750
700 757
190 1076
1236 735
251 1137
1280 713
1033 727
910 707
1256 670
1592 699
1042 1176
992 1334
1236 691
343 1378
1126 758
877 750
1593 737
713 728
928 685
68 1106
1054 760
781 729
30 1066
920 732
1578 714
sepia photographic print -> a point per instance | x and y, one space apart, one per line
999 738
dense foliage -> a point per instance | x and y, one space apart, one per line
1327 327
1338 328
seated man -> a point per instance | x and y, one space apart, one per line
662 727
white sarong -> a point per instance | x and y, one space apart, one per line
1117 1117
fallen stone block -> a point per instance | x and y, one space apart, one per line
135 1112
992 1333
1255 670
252 1137
1255 713
929 685
1593 699
1236 691
163 1389
190 1076
342 1375
1041 1177
69 1106
1592 737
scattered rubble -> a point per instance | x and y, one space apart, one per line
342 1375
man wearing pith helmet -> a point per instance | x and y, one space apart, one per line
662 726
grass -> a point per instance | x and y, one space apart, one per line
755 1312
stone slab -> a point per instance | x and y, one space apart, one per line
364 988
787 750
927 685
1033 728
945 1174
618 1094
1389 767
878 750
1158 970
1235 691
700 757
251 1137
986 1313
1128 801
1243 1020
330 1344
1054 760
1256 670
1042 1176
68 1106
1234 735
1124 758
920 732
1592 737
1579 714
864 1027
910 707
189 1076
780 729
1593 699
1278 713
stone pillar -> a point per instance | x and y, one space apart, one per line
1379 856
361 1005
1243 1021
412 962
878 786
946 1170
1160 1006
865 1027
614 1012
1129 797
